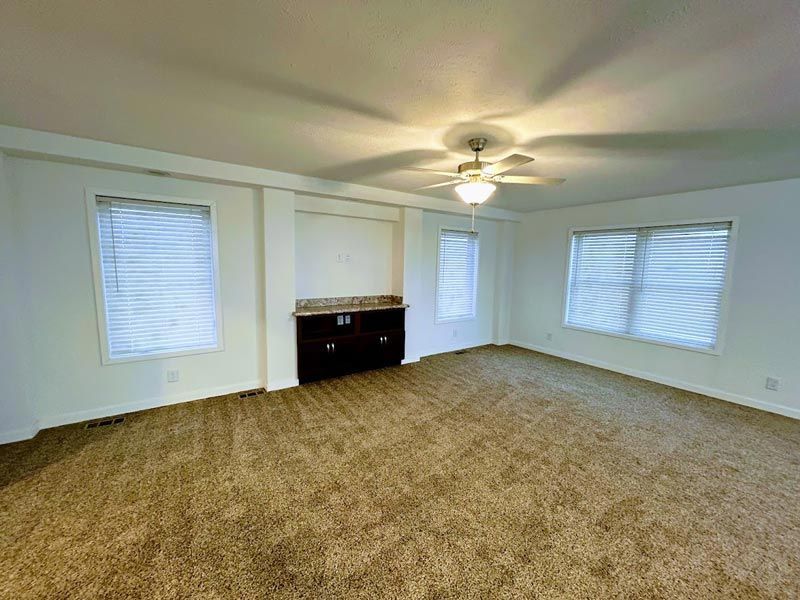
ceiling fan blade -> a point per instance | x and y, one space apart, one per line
436 185
529 180
508 163
433 171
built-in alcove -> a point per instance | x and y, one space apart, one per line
346 249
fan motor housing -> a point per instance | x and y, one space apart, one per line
474 167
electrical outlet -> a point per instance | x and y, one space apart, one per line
347 258
455 332
549 336
173 375
773 383
340 257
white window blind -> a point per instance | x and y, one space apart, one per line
157 264
457 278
664 284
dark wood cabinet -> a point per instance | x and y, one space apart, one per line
337 344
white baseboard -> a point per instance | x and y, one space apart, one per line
282 384
18 435
120 409
455 347
676 383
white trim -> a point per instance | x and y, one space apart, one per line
91 194
675 222
455 348
474 314
676 383
356 209
19 435
722 326
29 143
156 402
281 384
636 338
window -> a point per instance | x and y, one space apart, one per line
664 284
156 268
457 280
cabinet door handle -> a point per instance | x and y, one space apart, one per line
333 346
327 347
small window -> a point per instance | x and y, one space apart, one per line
457 279
156 269
663 284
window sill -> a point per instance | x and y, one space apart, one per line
454 320
162 355
717 351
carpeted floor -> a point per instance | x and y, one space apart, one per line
499 473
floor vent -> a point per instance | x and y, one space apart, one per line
460 352
105 422
252 393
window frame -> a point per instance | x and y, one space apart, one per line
437 319
724 299
91 195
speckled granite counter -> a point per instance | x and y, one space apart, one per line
346 304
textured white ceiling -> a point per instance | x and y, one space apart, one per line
623 98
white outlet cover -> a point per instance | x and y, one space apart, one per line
173 375
773 383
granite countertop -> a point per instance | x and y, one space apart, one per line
346 304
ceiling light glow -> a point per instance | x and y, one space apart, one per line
475 192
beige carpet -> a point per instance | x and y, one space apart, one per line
499 473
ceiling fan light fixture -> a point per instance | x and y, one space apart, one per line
475 192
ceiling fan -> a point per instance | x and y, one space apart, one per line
475 180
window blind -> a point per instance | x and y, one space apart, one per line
457 277
158 277
656 283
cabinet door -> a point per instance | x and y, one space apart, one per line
314 361
381 350
344 356
394 347
371 351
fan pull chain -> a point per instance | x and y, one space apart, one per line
472 227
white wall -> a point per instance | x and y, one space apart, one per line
50 372
473 332
66 380
504 281
16 415
321 238
763 327
279 289
410 236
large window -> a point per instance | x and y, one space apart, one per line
665 284
155 266
457 279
